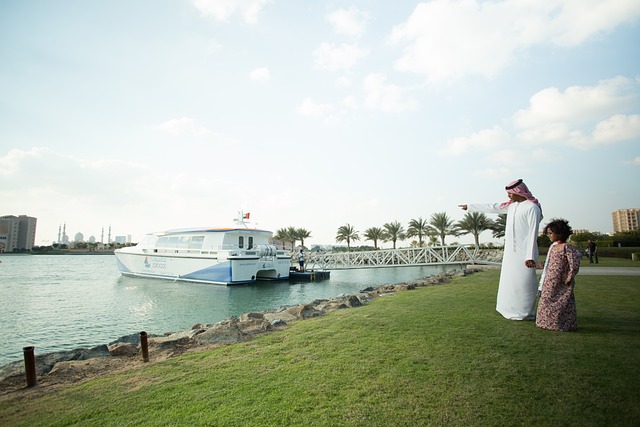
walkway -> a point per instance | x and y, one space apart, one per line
609 271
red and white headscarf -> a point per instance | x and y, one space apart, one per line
520 188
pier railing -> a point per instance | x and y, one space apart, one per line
435 255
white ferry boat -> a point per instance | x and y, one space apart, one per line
224 256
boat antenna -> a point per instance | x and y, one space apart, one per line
243 219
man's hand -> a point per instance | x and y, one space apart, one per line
530 263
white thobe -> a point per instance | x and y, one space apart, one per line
518 285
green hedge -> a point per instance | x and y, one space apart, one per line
605 251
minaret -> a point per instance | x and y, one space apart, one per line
109 234
102 236
59 231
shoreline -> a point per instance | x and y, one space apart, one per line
68 367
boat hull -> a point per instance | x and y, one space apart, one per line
202 269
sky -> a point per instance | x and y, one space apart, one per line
150 115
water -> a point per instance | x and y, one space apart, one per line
63 302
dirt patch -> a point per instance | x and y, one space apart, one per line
66 374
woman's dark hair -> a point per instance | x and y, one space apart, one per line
560 227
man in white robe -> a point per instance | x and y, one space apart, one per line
518 285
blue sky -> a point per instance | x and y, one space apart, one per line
151 115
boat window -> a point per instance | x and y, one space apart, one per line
250 242
163 242
183 242
241 241
173 242
196 242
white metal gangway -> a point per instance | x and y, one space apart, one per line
436 255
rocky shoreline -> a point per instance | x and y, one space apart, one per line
66 367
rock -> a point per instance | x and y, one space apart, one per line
98 351
277 322
251 316
223 332
283 316
254 326
132 339
123 349
178 339
304 311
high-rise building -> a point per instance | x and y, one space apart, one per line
625 220
17 233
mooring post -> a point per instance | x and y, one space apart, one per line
144 346
30 365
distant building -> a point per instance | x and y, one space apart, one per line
79 237
17 233
625 220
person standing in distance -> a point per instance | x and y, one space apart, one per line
518 286
593 251
301 260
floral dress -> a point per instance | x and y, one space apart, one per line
557 306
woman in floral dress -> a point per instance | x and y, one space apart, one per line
557 305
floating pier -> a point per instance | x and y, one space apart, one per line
309 276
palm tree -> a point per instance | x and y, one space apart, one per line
281 236
292 236
302 234
394 231
442 225
374 234
346 233
474 223
418 227
433 239
499 226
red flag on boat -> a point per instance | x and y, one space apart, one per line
246 216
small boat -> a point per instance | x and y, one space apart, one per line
224 256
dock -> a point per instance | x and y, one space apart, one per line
309 276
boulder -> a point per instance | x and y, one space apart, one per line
123 349
253 326
223 332
276 318
304 311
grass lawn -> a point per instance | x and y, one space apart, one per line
433 356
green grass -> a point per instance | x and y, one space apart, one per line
434 356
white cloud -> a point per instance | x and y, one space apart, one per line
617 128
580 117
343 81
635 161
351 22
90 193
578 104
350 101
260 74
486 139
448 39
64 180
312 109
380 95
185 126
338 58
222 10
494 173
